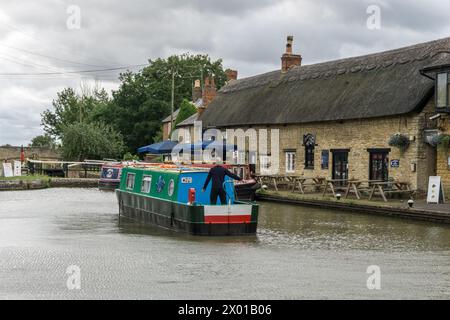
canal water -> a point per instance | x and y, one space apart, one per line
299 253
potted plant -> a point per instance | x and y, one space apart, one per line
441 141
400 141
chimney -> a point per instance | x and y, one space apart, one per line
196 91
289 60
231 75
209 91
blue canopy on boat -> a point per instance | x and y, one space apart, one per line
164 147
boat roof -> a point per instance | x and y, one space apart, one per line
171 169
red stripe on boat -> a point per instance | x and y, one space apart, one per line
228 219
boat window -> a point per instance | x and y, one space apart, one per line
130 181
171 188
146 184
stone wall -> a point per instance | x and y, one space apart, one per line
443 154
13 153
443 169
416 163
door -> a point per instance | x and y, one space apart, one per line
340 166
379 166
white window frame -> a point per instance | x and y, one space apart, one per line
265 165
442 90
146 185
129 176
290 161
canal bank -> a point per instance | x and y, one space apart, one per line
42 182
396 208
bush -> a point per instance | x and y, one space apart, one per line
130 157
95 140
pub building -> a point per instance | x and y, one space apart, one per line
381 116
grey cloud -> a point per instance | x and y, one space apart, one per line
248 34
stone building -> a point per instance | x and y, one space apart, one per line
372 117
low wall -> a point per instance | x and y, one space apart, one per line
13 153
12 185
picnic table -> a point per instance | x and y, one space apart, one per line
334 184
275 180
357 186
300 182
390 187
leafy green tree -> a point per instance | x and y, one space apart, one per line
187 109
143 98
70 108
95 140
43 141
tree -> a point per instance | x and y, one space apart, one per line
187 109
43 141
70 108
93 140
143 98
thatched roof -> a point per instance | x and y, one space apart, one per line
376 85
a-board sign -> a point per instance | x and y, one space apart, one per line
435 190
17 168
7 170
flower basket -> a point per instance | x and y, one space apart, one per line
399 141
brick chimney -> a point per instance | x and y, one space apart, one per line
231 75
196 91
209 91
289 60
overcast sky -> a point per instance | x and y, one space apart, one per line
249 35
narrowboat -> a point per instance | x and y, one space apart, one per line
171 198
110 176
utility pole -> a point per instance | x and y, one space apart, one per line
172 102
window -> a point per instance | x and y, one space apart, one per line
130 181
146 184
325 159
290 162
442 90
265 165
309 141
379 165
239 157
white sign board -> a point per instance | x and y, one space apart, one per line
7 170
17 168
435 190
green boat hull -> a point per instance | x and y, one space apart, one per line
181 217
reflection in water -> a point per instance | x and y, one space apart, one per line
298 253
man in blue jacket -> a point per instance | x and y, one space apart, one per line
217 175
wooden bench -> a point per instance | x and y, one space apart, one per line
390 187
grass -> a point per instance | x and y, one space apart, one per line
26 178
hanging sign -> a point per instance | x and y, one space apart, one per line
7 170
435 191
17 168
